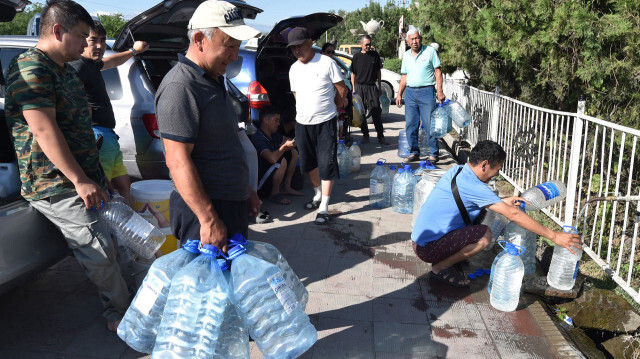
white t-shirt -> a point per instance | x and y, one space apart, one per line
313 84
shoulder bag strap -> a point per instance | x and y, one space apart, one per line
456 196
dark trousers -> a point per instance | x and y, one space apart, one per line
371 102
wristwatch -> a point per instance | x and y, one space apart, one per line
133 51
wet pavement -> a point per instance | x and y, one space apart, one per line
370 297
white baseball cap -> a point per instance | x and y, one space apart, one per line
224 16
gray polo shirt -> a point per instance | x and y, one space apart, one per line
191 107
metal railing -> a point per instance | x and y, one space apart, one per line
593 157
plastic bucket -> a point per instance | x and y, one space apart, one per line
150 198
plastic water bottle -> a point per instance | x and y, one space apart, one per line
422 190
356 155
459 115
268 307
393 172
440 121
356 100
403 188
423 167
544 195
563 269
496 222
507 278
344 159
384 103
403 144
132 230
422 141
379 187
139 326
193 315
515 234
493 269
233 341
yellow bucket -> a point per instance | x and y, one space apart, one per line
150 198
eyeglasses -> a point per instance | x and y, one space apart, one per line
367 45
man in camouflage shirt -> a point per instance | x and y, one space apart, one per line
48 115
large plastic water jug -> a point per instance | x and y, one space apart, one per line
440 121
271 254
268 307
403 144
544 195
507 278
379 186
344 159
139 326
131 229
9 179
233 341
517 235
496 222
429 179
459 115
356 155
384 103
403 188
423 144
193 316
564 266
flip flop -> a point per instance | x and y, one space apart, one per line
263 217
450 276
432 159
311 205
279 199
322 218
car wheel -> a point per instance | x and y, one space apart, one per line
388 89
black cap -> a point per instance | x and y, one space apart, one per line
297 36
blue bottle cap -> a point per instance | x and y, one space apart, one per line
423 164
392 167
479 272
236 251
192 245
471 276
487 271
400 170
407 167
379 163
341 141
209 249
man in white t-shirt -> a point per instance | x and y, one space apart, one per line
319 89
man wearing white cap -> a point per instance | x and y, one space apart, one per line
199 130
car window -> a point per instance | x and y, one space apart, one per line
112 83
6 55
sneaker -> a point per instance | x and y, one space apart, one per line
412 158
365 139
382 141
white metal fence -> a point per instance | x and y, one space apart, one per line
596 159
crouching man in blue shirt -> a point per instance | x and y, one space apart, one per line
443 237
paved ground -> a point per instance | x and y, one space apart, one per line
369 295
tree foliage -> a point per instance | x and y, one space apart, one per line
18 26
544 52
113 24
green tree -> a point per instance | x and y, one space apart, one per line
18 26
113 24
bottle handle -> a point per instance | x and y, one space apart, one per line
519 248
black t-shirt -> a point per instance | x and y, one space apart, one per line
101 110
366 66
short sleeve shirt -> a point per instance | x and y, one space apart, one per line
365 67
440 215
262 142
420 70
192 107
101 110
35 81
313 84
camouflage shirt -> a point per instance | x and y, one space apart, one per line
36 81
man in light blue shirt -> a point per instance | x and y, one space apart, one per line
441 236
420 73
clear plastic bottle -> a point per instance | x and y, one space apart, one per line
403 188
440 121
422 190
356 155
544 195
384 103
139 326
403 144
233 341
506 278
356 100
496 222
132 230
493 269
517 235
379 187
422 141
193 315
563 269
268 307
459 115
344 159
393 173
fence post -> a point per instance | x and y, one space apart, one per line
495 114
574 163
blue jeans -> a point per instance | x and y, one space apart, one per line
420 102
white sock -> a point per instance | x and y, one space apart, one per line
317 193
324 205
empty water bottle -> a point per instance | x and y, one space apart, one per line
379 186
393 173
517 235
459 115
358 106
233 341
544 195
139 326
193 315
356 154
506 278
344 160
403 188
268 307
423 167
403 144
384 103
496 222
132 230
440 121
563 269
422 190
422 141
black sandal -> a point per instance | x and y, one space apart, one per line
263 217
311 205
323 218
450 276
